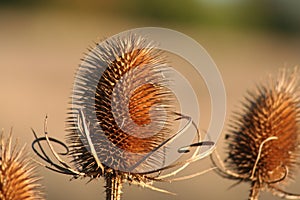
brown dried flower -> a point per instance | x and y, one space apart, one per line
263 143
122 116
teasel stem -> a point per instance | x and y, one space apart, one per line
113 186
254 191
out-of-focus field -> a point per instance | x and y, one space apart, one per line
40 51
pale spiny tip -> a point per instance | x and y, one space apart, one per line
18 178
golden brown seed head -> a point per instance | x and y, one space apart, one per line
263 143
18 180
122 91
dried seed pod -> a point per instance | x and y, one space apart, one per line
121 95
263 142
18 180
122 117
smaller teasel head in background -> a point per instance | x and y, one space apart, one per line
263 141
18 179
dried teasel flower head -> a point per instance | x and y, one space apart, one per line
122 116
263 142
18 179
121 108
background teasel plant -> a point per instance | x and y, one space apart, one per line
263 143
122 117
18 179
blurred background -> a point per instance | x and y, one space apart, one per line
41 43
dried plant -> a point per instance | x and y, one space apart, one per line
122 118
263 142
18 179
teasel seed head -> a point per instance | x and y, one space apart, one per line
120 89
18 179
263 141
121 112
122 119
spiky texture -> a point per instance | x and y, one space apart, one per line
18 180
263 143
122 92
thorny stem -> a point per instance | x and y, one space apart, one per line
113 186
254 192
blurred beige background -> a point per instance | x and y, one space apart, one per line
41 45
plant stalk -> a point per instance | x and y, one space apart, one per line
113 186
254 192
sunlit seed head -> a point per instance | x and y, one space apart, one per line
18 179
128 105
122 122
263 142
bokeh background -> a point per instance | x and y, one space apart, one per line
41 43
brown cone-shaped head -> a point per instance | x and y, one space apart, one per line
18 180
263 143
122 91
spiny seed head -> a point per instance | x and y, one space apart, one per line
18 180
122 90
263 143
